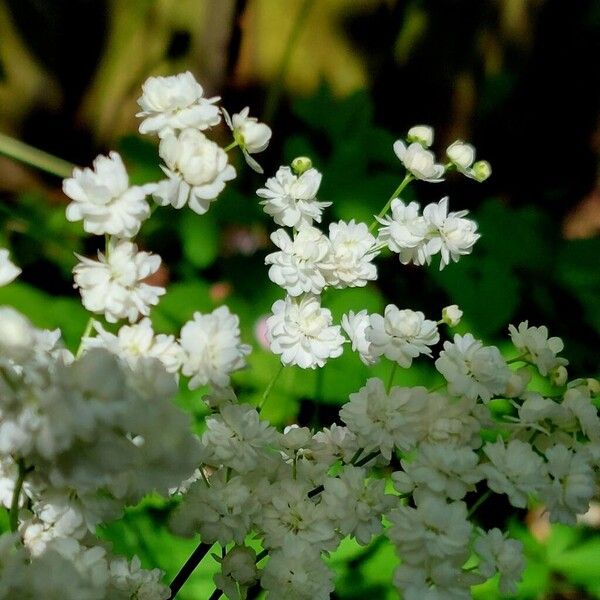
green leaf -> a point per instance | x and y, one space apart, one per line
200 238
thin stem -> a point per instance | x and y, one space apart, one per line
521 358
14 505
407 179
36 158
86 333
269 388
188 568
231 146
479 502
367 458
274 94
391 378
356 455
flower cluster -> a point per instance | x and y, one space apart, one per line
82 436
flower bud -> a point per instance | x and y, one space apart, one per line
481 170
451 315
558 376
593 385
301 164
295 437
423 134
518 382
461 154
240 564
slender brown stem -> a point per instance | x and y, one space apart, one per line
14 505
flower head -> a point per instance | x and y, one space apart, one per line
251 136
419 162
8 271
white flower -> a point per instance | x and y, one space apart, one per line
251 136
129 579
450 233
435 580
349 262
419 161
355 325
297 267
222 513
461 154
175 102
135 342
238 567
423 134
383 421
537 347
197 170
515 470
17 335
434 529
8 271
472 369
212 348
451 315
355 504
291 199
103 200
401 335
300 330
113 285
571 484
236 438
297 572
505 556
334 443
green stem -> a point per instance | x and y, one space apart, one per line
391 378
407 179
521 358
269 388
188 568
274 94
86 333
39 159
231 146
479 502
14 505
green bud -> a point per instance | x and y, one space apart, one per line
301 164
481 170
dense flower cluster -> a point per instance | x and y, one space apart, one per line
84 435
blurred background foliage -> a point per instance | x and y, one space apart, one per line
337 80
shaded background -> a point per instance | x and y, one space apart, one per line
337 80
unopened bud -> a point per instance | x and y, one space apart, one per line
481 170
422 134
301 164
558 376
451 315
461 154
517 383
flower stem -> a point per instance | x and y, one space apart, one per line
86 333
269 388
188 568
14 505
407 179
36 158
369 457
231 146
479 502
391 378
522 358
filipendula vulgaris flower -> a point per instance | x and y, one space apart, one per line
497 554
196 168
472 369
419 162
238 568
8 271
298 266
537 347
250 135
104 201
401 335
382 421
355 325
176 102
136 342
212 348
290 198
114 284
423 134
462 156
349 261
451 315
301 331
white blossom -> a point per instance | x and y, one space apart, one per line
127 578
251 136
238 567
104 201
297 266
401 335
212 348
461 154
175 102
8 271
114 284
355 326
419 161
497 554
197 170
537 347
472 369
349 262
334 443
423 134
291 199
451 315
300 330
